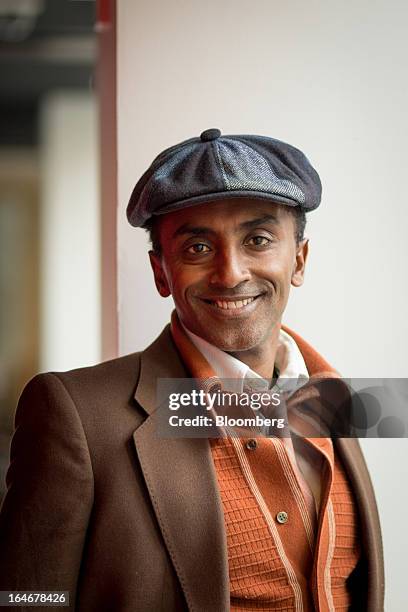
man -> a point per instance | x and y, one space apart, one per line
100 505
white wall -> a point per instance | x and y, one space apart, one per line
70 270
330 78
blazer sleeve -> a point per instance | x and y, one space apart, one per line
45 513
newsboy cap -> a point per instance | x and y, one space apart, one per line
214 167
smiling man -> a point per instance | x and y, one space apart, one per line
103 508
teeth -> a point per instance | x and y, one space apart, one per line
232 305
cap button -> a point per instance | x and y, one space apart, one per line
211 134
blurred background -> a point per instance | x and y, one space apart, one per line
49 203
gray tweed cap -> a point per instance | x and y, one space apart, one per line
214 167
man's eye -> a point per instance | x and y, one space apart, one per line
199 247
258 241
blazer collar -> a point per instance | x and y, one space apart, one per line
159 360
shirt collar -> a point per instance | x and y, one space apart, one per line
289 362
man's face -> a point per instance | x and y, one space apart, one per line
229 266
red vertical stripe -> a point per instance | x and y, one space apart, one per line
103 12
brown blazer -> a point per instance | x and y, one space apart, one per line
100 506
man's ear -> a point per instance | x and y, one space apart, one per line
159 275
302 251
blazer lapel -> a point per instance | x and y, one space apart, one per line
353 460
182 484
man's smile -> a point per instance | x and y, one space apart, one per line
232 307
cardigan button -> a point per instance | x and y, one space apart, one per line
251 444
282 517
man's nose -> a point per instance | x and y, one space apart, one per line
230 269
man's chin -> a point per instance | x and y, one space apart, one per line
232 345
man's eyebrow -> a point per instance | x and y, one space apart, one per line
260 221
199 230
195 230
